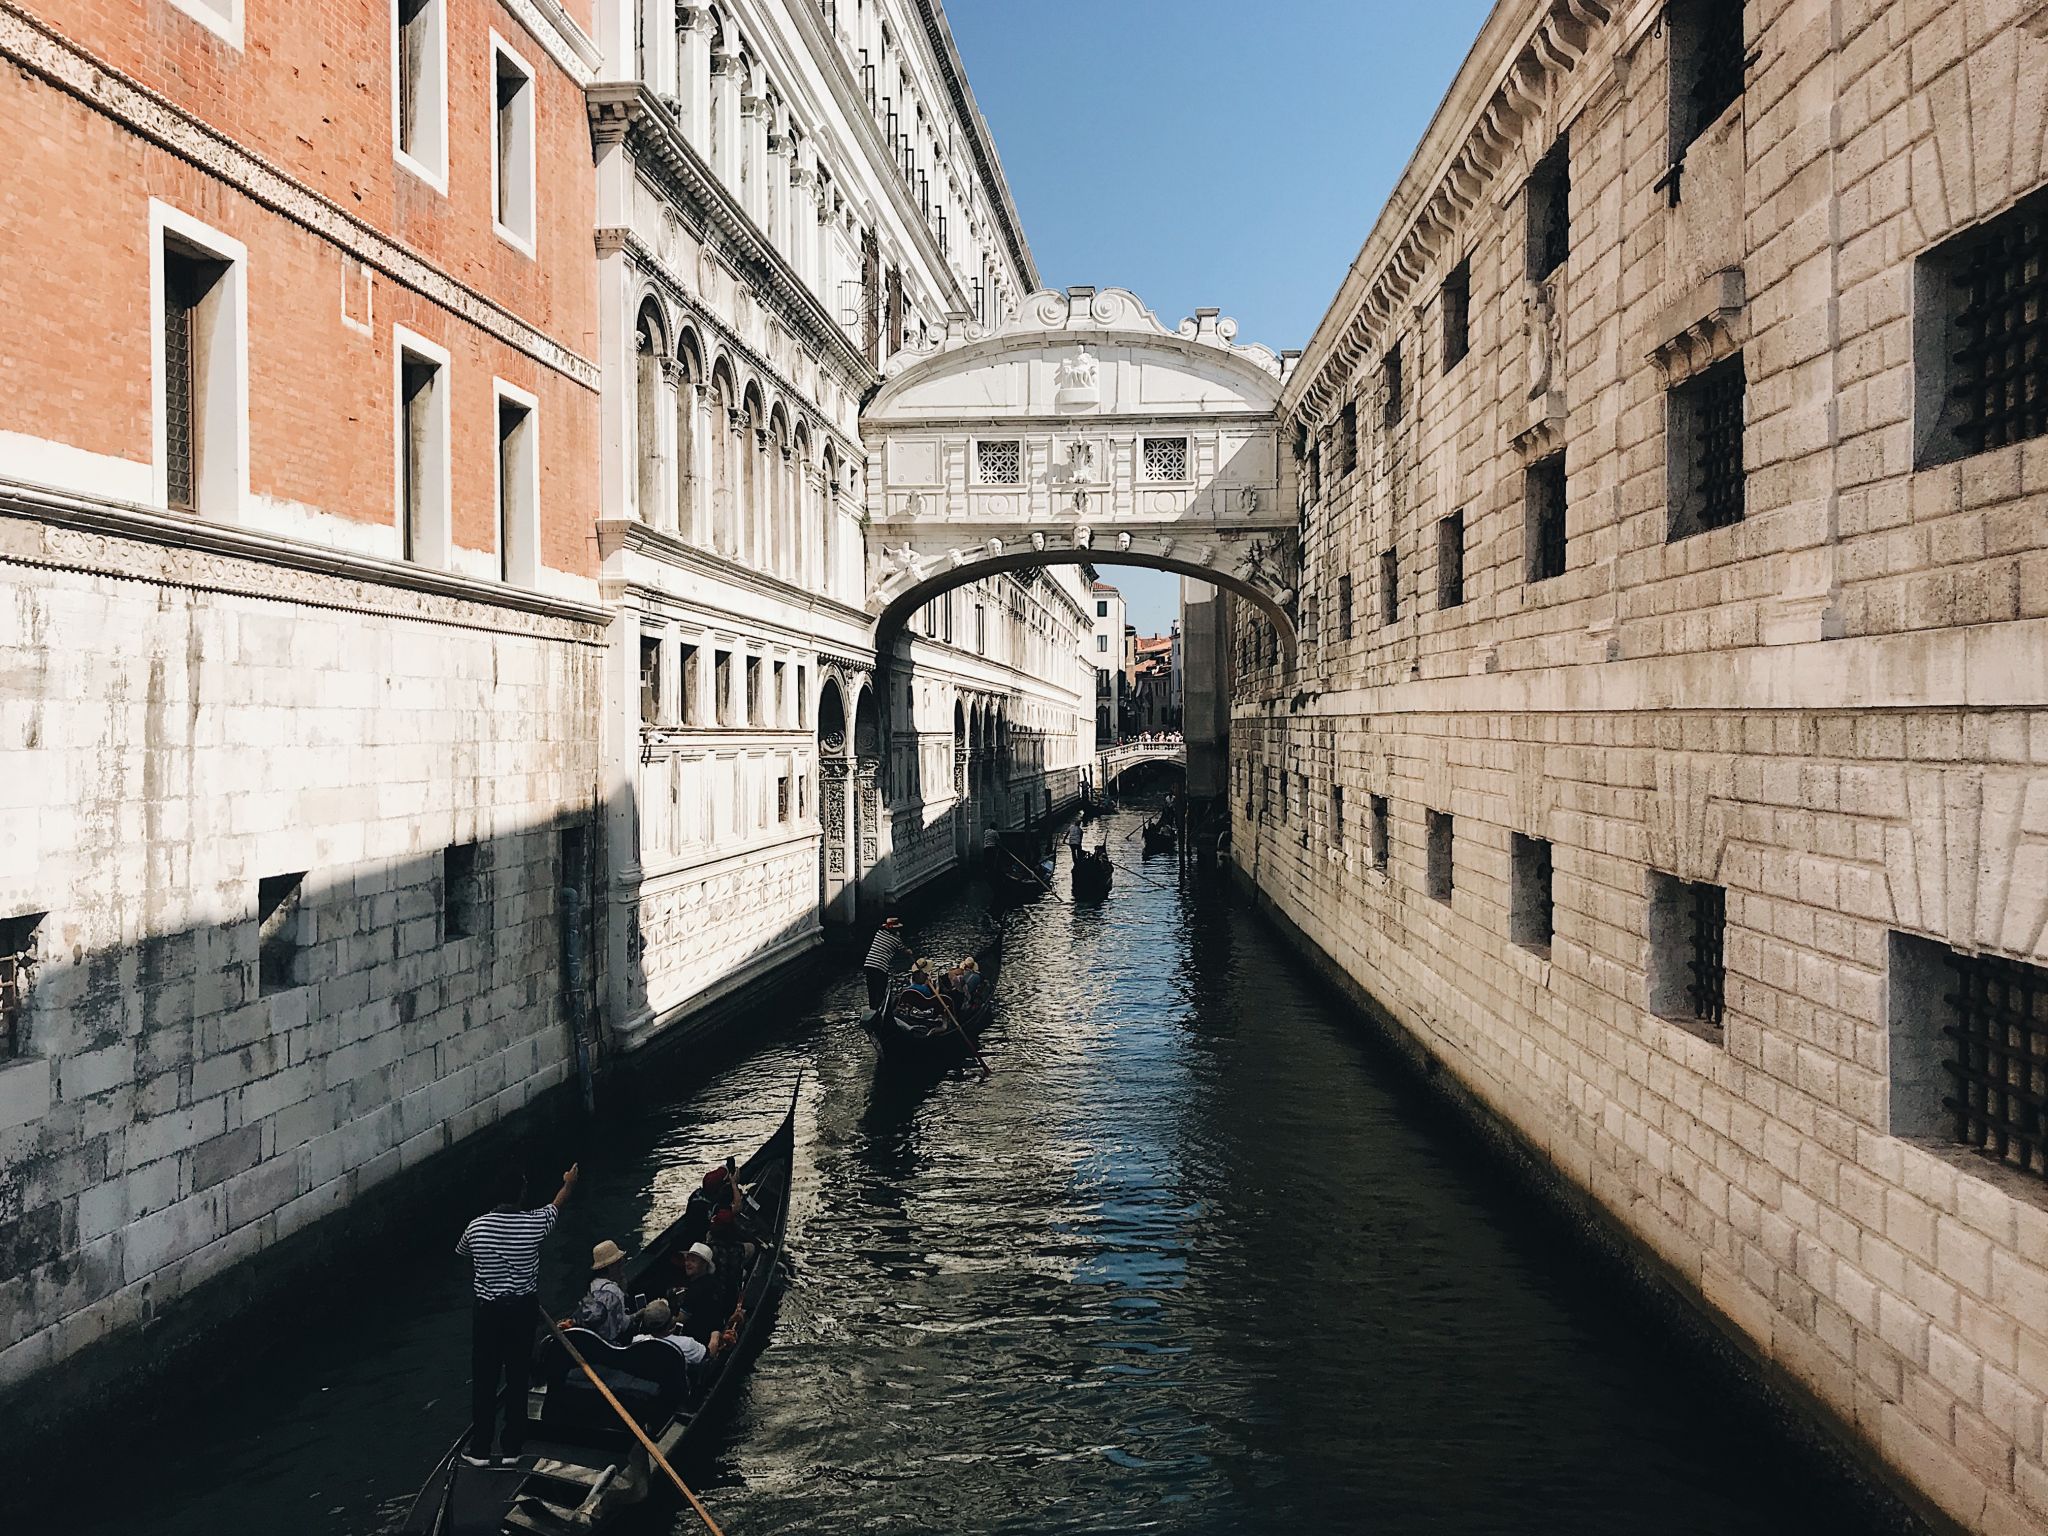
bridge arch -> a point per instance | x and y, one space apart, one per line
1081 430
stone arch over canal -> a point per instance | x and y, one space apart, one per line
1082 430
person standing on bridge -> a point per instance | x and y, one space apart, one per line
884 955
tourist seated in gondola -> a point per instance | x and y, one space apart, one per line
603 1308
657 1322
700 1295
729 1253
714 1194
968 982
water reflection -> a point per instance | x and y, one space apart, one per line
1188 1261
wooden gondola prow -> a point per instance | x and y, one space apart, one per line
647 1444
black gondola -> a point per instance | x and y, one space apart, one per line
1160 836
1014 865
908 1030
580 1469
1092 872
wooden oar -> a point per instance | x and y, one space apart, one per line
1139 875
1034 875
940 998
631 1423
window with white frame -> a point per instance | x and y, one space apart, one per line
999 461
200 365
223 18
518 487
512 177
1166 458
419 88
421 408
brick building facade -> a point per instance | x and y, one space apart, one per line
1667 750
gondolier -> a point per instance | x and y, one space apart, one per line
503 1249
884 955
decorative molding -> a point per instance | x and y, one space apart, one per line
1685 822
25 42
54 531
560 37
1086 311
1969 863
1699 328
1544 431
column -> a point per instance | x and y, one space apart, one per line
697 506
675 385
754 119
724 101
658 58
693 75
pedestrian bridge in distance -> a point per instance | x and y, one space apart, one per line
1080 430
1119 760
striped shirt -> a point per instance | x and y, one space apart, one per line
886 950
503 1249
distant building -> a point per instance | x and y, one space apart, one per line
1108 651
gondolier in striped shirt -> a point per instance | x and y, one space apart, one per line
884 955
503 1249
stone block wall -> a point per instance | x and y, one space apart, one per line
1834 709
181 725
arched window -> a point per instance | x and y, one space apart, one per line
650 346
689 469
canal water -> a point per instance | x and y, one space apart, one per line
1191 1260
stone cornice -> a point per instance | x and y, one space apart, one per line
1507 82
559 36
634 536
51 529
629 243
651 132
27 43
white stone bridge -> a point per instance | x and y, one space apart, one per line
1082 430
1114 763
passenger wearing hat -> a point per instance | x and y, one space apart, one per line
658 1323
713 1195
603 1308
884 955
700 1297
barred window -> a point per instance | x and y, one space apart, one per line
1688 923
1549 211
1380 833
1703 448
1440 833
1450 560
1166 458
1969 1051
1981 337
999 462
1347 433
1344 606
1390 586
1390 376
1457 306
17 978
1706 66
1544 511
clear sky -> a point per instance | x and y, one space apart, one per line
1198 152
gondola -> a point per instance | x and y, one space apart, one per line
580 1469
1012 865
1091 872
1160 837
927 1037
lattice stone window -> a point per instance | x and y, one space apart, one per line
1688 972
1969 1051
1703 448
999 461
17 977
1980 337
1166 458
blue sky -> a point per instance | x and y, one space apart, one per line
1203 153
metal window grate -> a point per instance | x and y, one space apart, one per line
1717 478
179 456
1344 606
1458 313
1998 1065
1708 990
2001 365
1390 587
1450 560
1391 373
1717 64
1549 209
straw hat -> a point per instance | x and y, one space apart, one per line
703 1251
606 1254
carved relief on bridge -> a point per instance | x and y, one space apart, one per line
1080 428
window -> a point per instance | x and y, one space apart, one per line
518 488
1706 68
465 911
1969 1051
221 17
1102 608
1544 512
1703 450
721 687
782 798
1457 308
1529 912
1266 790
1440 880
1102 644
802 796
781 681
1347 438
650 679
686 686
753 690
1687 923
1166 458
1390 587
277 932
1344 606
422 441
1286 803
803 699
419 100
999 463
512 178
1450 560
201 357
1379 833
1549 193
980 630
1980 337
18 955
1390 384
1337 814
